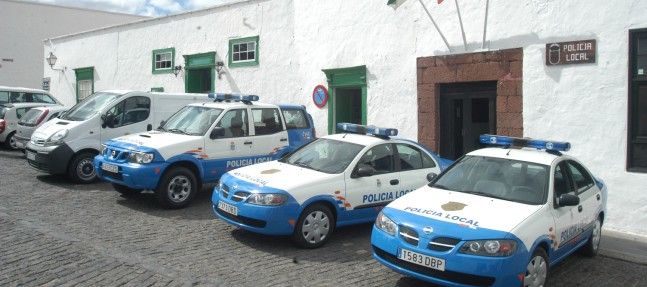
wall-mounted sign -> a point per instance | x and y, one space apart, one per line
566 53
320 96
46 83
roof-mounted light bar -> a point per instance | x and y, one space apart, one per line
524 142
221 97
370 130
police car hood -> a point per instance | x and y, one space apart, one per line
158 140
471 211
280 175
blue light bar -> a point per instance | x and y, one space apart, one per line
521 142
233 97
371 130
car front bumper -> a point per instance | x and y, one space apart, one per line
50 159
137 176
21 142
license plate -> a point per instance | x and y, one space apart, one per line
31 156
421 259
110 167
228 208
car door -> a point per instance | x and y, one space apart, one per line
131 115
414 165
367 195
233 149
269 135
566 217
589 194
298 126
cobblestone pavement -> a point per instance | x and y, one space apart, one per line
56 233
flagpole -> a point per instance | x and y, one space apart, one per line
487 5
460 20
435 25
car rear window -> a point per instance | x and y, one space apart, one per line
20 112
295 119
31 117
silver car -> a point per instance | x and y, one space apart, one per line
33 119
10 114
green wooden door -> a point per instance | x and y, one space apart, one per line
347 101
199 76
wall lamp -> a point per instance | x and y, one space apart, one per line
177 70
219 69
51 60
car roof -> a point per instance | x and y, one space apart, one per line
27 105
365 140
520 154
234 104
21 89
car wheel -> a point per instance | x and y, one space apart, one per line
10 142
592 246
315 226
81 168
177 187
126 191
537 269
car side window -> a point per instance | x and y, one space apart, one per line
130 111
295 119
380 158
42 98
581 177
235 123
267 121
4 97
410 157
562 183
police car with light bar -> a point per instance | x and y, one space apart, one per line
201 142
337 180
499 216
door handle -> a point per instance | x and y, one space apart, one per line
284 140
394 182
579 208
247 143
597 196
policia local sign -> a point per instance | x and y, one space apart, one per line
566 53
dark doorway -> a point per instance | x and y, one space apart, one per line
199 80
467 110
348 105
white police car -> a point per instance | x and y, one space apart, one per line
496 217
337 180
201 142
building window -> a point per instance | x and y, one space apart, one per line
243 52
84 82
637 140
163 60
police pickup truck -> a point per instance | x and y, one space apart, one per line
201 142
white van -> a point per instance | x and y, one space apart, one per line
68 144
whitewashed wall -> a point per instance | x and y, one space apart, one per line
583 104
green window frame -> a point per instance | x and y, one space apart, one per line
160 61
241 50
83 75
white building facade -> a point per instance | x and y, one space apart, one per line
387 65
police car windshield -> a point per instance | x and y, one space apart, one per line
191 120
91 105
500 178
325 155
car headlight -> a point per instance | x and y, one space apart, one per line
385 224
140 157
497 247
267 199
102 148
57 137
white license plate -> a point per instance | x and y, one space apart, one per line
110 167
421 259
228 208
31 156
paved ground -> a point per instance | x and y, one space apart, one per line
56 233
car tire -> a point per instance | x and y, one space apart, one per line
177 188
81 168
537 269
10 142
314 227
591 247
126 191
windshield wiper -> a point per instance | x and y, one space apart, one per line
484 194
439 186
178 131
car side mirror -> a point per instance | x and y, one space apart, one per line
149 127
431 176
568 200
364 171
108 120
217 132
162 123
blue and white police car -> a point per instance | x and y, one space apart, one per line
499 216
337 180
201 142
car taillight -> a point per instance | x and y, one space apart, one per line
42 117
3 124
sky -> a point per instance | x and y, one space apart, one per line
140 7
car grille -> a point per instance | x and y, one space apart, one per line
409 235
240 196
224 191
458 277
116 176
241 219
443 243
